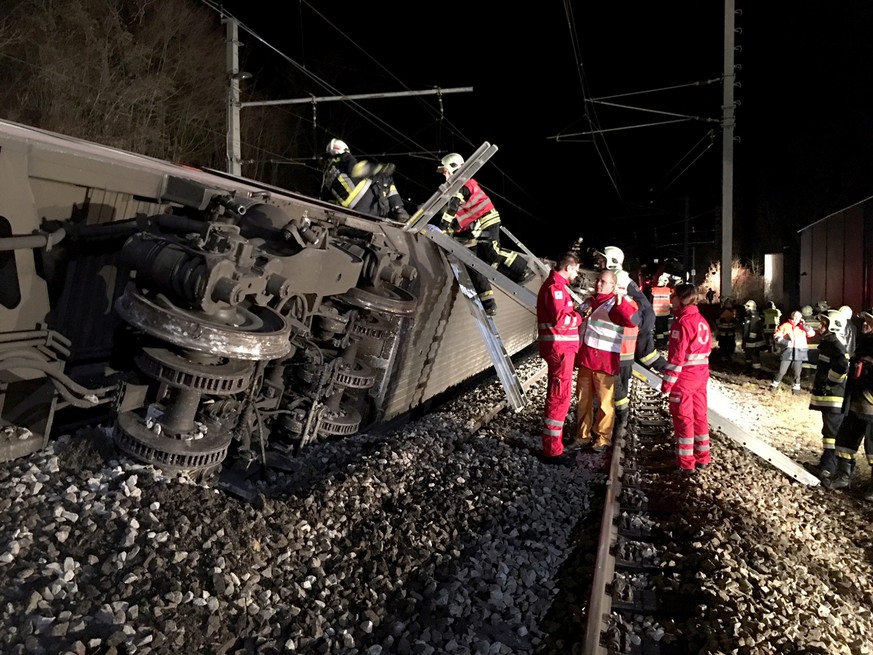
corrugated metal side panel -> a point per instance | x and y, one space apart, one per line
806 272
818 272
444 347
833 258
417 354
834 269
853 260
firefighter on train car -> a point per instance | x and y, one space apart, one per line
471 218
363 185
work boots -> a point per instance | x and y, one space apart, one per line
827 465
842 477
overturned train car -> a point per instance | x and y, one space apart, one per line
196 313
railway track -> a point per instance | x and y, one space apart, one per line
655 533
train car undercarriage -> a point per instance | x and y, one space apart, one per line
199 314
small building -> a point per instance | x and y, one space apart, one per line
836 258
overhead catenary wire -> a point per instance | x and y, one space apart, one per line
591 114
367 115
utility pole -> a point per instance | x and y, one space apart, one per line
727 152
234 147
234 154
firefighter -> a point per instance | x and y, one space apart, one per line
858 423
614 258
558 336
753 337
685 380
364 186
646 354
470 216
829 388
790 339
626 361
661 305
810 318
851 331
727 330
771 321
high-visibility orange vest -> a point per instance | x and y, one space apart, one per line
629 337
661 300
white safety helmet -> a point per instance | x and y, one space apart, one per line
337 147
835 321
664 280
847 313
822 306
614 258
751 306
806 311
622 281
450 163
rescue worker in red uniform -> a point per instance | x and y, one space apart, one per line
685 379
471 217
661 305
829 388
598 360
558 339
626 361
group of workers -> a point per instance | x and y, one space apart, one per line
600 338
836 346
469 215
603 335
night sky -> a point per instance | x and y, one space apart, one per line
803 123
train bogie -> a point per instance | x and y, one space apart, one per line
200 314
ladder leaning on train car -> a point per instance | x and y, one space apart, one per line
460 258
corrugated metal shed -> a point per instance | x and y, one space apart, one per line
836 258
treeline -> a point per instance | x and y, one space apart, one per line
142 75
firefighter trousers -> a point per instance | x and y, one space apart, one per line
852 432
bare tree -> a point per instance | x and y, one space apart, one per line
141 75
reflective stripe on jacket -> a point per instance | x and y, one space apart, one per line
792 340
831 376
557 320
474 204
661 300
629 337
689 348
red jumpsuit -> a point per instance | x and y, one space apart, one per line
558 336
685 378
